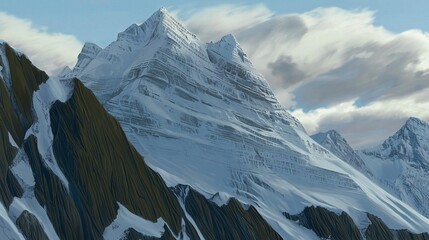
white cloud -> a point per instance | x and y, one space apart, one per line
212 23
342 69
48 51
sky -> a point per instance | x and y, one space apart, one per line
359 67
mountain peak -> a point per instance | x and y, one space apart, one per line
163 10
336 144
88 53
160 23
230 39
330 135
409 143
160 15
229 49
414 123
413 127
333 133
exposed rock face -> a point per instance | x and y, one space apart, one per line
30 226
378 230
329 225
24 79
100 168
230 221
50 192
104 169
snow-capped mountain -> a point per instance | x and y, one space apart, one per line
202 116
337 145
67 171
401 163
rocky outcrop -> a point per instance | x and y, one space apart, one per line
25 79
378 230
17 84
230 221
103 169
51 193
327 224
30 226
9 187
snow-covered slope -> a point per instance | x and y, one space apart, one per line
67 171
401 163
206 107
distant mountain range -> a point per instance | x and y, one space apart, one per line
162 136
400 164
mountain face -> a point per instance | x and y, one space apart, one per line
337 145
401 163
225 161
68 172
202 116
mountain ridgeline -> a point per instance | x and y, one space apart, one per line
205 106
226 161
102 170
400 164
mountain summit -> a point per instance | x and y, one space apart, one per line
205 106
336 144
402 163
410 143
222 158
68 172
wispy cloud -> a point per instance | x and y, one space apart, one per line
332 67
48 51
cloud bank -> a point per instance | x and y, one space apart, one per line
333 68
49 51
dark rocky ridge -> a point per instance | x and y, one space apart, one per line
329 225
15 114
230 221
378 230
25 78
104 169
30 226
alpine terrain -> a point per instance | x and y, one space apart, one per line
193 145
208 123
399 164
68 172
